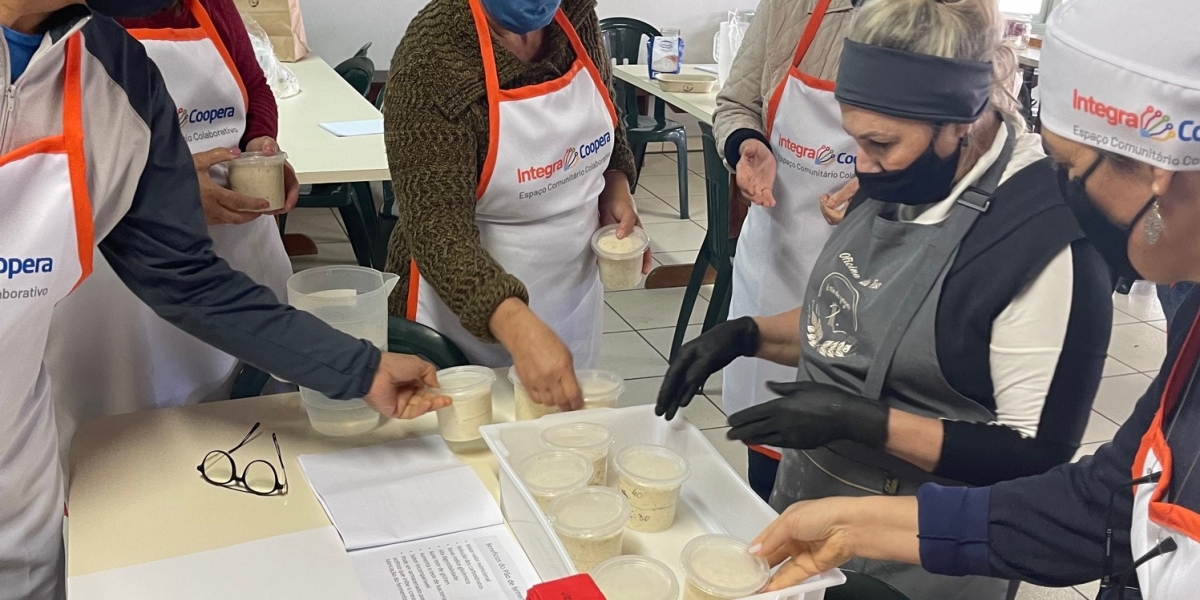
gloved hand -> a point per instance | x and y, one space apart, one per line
700 358
810 415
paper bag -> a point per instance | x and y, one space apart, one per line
284 24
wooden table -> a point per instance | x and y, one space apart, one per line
135 496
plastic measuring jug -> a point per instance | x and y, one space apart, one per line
354 301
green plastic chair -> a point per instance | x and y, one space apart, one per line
624 40
387 221
863 587
718 249
404 337
353 200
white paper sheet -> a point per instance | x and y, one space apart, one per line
399 492
354 128
484 564
308 565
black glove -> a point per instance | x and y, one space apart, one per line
810 415
700 358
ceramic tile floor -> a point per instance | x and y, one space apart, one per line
639 325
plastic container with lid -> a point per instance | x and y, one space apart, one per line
338 418
258 175
589 440
470 389
620 259
601 389
651 477
591 524
636 578
720 567
526 408
549 475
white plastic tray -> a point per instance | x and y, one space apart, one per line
714 499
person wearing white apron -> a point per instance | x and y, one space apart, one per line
47 245
795 135
132 359
539 199
1128 516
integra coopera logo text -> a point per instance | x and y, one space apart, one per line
12 267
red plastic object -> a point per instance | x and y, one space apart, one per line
579 587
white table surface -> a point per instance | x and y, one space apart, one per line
317 155
1030 57
135 496
701 106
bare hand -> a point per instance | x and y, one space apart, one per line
544 364
269 147
401 389
756 173
833 206
618 208
222 206
808 538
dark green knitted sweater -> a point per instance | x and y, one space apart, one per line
436 121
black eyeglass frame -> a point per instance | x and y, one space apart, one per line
238 481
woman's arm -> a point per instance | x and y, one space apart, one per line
262 114
435 171
741 113
779 338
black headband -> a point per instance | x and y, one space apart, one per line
914 86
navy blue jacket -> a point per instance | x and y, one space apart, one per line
1050 529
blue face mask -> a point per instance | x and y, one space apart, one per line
522 16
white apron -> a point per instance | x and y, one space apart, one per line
778 246
539 202
46 250
1175 576
131 359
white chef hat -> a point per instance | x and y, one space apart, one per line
1124 76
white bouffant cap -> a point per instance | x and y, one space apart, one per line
1124 76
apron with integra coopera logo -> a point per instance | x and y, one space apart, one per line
99 366
778 245
46 251
538 202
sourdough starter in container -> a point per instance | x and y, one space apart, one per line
636 578
549 475
470 389
257 175
601 389
526 408
591 524
589 440
620 259
720 567
651 477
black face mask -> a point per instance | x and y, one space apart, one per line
929 179
1110 239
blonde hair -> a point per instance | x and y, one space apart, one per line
962 29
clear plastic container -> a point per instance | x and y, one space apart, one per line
636 578
620 259
589 440
470 389
526 408
260 176
651 477
591 524
352 300
719 567
338 418
550 475
601 389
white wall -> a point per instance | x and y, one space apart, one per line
336 28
